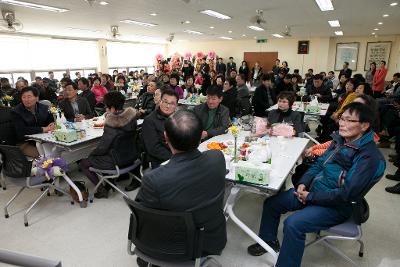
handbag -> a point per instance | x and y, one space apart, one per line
82 188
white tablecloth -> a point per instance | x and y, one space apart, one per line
298 107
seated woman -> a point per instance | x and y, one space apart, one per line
285 114
189 86
98 90
31 117
75 108
118 122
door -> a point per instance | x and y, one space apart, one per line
266 59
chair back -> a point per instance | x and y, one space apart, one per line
164 235
124 151
45 102
15 164
360 211
7 133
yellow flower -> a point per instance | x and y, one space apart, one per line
233 129
47 163
8 98
53 110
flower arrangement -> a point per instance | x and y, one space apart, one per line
188 56
199 55
234 131
176 62
159 57
212 55
49 167
7 99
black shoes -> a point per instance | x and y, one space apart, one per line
393 189
102 192
394 177
258 250
133 185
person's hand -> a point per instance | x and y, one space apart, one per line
204 135
318 95
79 117
301 193
51 127
308 152
142 111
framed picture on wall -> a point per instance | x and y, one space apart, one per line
376 52
347 52
303 47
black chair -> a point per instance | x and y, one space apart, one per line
18 169
165 238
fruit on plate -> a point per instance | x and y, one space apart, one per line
216 146
244 145
99 124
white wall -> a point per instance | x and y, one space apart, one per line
321 56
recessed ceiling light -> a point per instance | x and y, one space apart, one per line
215 14
243 35
193 32
334 23
34 6
394 4
140 23
153 14
385 15
211 27
376 29
226 38
277 35
339 33
230 31
325 5
103 3
187 21
373 33
380 23
255 28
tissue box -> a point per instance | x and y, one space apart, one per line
255 173
67 135
312 109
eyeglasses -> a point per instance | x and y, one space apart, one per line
172 104
347 120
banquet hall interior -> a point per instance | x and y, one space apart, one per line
57 46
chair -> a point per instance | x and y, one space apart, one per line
45 102
18 168
348 230
122 145
19 259
165 238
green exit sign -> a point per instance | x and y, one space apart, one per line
261 41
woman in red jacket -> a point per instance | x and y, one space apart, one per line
98 90
378 83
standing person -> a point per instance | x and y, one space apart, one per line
285 67
221 66
230 66
53 81
346 70
229 96
277 67
256 74
369 75
264 97
244 69
98 90
243 105
378 82
187 69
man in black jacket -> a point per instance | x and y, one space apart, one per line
83 85
230 66
264 97
146 104
230 96
191 180
221 66
346 71
213 115
318 89
153 129
75 108
31 117
243 105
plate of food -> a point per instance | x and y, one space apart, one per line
216 146
98 124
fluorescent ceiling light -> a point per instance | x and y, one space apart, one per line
243 35
230 31
211 27
380 23
153 14
373 33
255 28
325 5
226 38
394 4
34 6
145 24
215 14
187 21
277 35
103 3
385 15
376 29
339 33
79 29
334 23
193 32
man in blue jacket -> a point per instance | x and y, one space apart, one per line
344 173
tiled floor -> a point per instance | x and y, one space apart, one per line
96 236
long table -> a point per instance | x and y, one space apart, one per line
285 154
299 106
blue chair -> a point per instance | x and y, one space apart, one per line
348 230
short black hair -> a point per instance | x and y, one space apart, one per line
121 77
311 70
318 77
183 129
190 77
364 112
221 76
230 57
166 90
50 72
74 85
4 80
347 63
96 78
397 74
174 75
114 99
331 72
367 88
241 76
214 90
231 82
84 81
287 95
296 71
32 89
383 61
288 76
38 78
66 80
266 77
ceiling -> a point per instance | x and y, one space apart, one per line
357 18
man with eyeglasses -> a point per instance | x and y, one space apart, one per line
343 174
153 129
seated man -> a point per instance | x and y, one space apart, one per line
31 117
243 105
83 85
264 96
75 108
119 121
344 173
213 115
153 129
191 180
146 104
318 89
284 113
